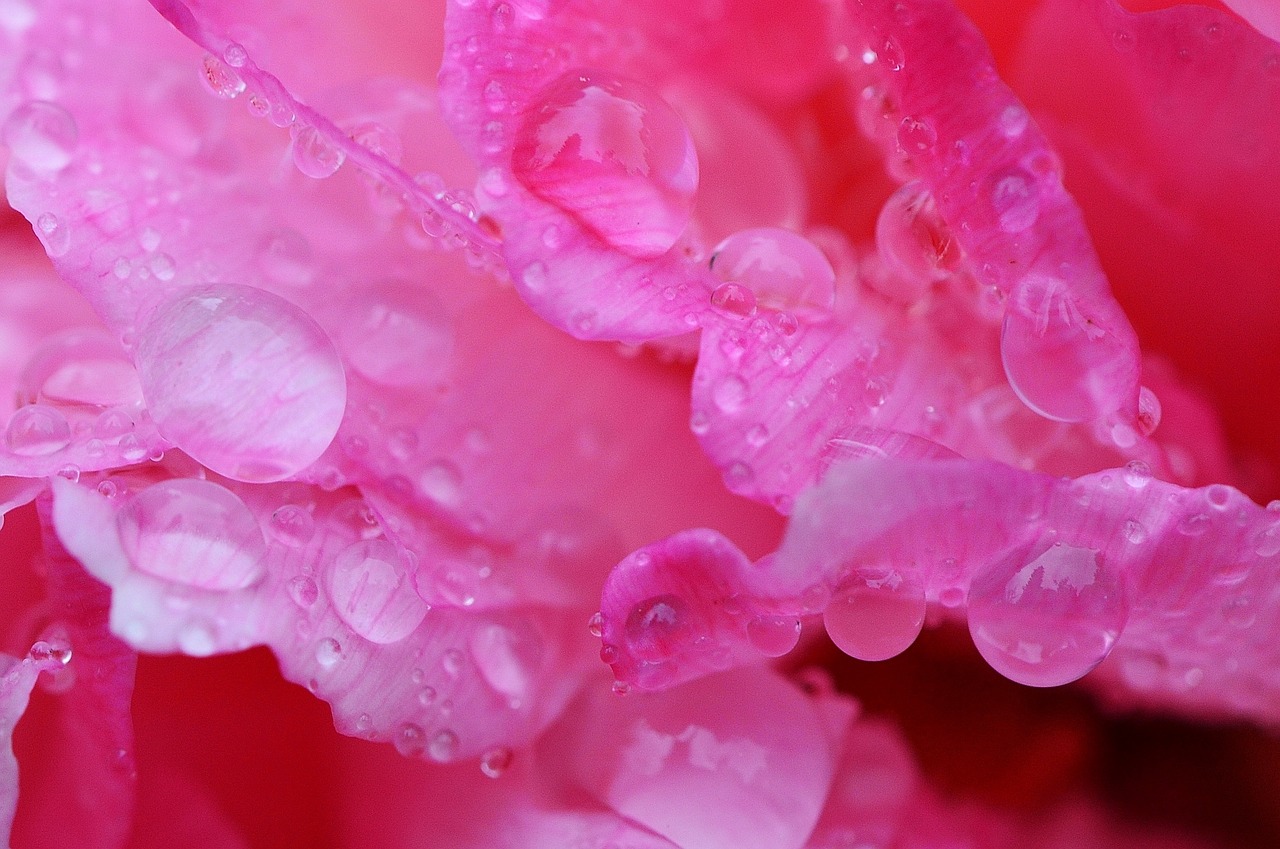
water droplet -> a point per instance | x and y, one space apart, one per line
1048 619
784 270
427 696
193 532
876 614
219 79
734 299
1014 120
1148 411
1123 40
613 154
442 483
452 662
758 435
1134 531
304 591
891 54
41 135
507 660
235 55
444 746
596 624
774 636
1194 525
373 592
1268 542
314 154
53 234
226 341
915 135
658 627
410 740
1137 474
1059 361
328 652
1218 496
495 762
293 525
730 393
162 266
914 242
1015 199
398 340
197 640
37 430
285 256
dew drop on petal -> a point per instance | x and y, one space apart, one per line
734 299
876 614
774 636
1060 363
495 762
1149 411
1015 199
372 590
730 393
783 269
304 591
53 234
1047 619
613 154
410 740
220 80
916 135
444 746
242 380
41 135
328 652
314 154
914 242
37 430
193 532
293 525
396 341
658 627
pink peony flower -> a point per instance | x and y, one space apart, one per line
588 421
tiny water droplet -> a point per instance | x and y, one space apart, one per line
916 135
304 591
730 393
235 55
314 154
1137 474
1015 199
596 624
734 299
293 525
659 627
444 746
410 740
1194 525
495 762
53 234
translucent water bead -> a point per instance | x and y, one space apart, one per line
1058 361
41 135
914 242
1048 614
192 532
782 269
876 615
372 590
242 380
613 154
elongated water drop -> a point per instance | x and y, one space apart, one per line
314 154
1047 616
784 270
372 590
613 154
1061 363
193 532
914 242
242 380
41 135
877 614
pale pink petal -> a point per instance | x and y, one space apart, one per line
16 681
1263 14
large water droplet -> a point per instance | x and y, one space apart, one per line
877 614
242 380
612 153
373 592
784 270
914 242
1059 362
193 532
37 430
41 135
314 154
507 660
657 628
1047 619
774 636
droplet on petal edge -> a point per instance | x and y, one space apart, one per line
781 269
611 153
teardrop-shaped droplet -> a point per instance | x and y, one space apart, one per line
1062 364
877 614
372 590
242 380
37 430
1045 619
783 269
613 154
219 79
193 532
734 299
41 135
774 636
914 242
314 154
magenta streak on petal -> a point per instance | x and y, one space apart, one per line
1067 347
371 161
1058 575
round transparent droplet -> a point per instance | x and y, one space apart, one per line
1062 364
1015 199
314 154
914 242
611 153
783 270
734 299
36 431
773 636
372 590
293 525
444 746
410 740
328 652
495 762
1048 615
875 614
730 393
219 79
193 532
304 591
41 135
658 628
53 234
242 380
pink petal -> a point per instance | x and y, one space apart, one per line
15 689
